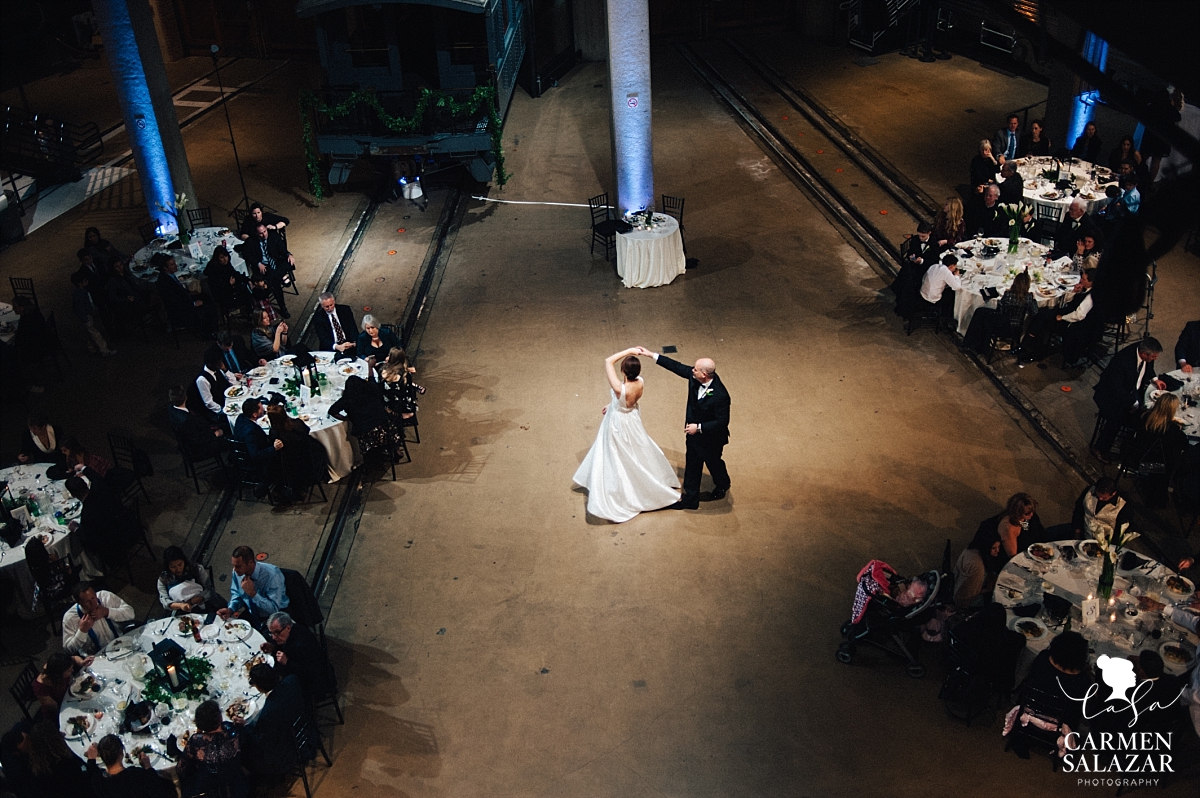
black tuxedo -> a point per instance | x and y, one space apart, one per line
324 328
1012 190
195 432
240 356
273 264
1187 348
267 745
704 448
1069 231
908 279
991 221
1118 393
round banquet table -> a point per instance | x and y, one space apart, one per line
646 258
1051 281
333 434
190 269
1188 391
123 665
1122 630
1040 191
22 480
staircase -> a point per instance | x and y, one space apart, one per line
48 150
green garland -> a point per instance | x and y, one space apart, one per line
158 687
482 98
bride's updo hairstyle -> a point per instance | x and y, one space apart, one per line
631 367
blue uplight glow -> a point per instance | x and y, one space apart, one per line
125 61
1095 50
629 78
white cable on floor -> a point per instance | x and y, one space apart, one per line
526 202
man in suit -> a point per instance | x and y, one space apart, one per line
1012 187
261 449
258 216
183 308
1072 321
267 743
203 438
232 351
104 528
984 214
1118 392
1076 224
919 253
1006 142
707 427
298 652
266 255
336 329
1187 349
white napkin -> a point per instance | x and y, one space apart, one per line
185 591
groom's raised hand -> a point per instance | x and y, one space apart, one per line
644 352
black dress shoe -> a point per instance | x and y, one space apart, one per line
718 494
680 505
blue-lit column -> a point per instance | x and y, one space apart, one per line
1083 109
629 77
135 60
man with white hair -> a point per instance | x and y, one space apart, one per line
1072 228
336 329
707 427
984 215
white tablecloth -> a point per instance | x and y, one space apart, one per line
1025 580
23 480
998 272
1040 191
123 674
208 239
344 456
1190 416
646 258
8 322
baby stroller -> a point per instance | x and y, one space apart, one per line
889 608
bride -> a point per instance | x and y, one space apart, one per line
625 472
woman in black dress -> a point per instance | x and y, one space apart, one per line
1124 151
399 391
983 167
1036 143
1087 147
229 286
374 341
103 253
362 405
209 763
304 458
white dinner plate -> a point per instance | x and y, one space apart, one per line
236 630
285 359
152 753
259 371
82 692
211 632
236 392
1048 552
119 649
1180 586
87 723
1069 280
1176 656
1032 628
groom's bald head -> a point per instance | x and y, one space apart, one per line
704 369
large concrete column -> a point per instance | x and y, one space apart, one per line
131 48
629 78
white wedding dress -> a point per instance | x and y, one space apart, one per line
625 472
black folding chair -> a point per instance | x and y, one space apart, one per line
199 217
148 231
1011 327
22 688
23 286
306 739
673 207
604 226
1049 710
1046 221
193 464
127 455
247 472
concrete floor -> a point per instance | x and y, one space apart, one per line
492 638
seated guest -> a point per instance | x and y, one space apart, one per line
84 308
949 227
1164 690
1130 200
211 385
257 216
1016 303
335 327
1036 143
936 280
33 338
984 216
256 588
1187 348
230 287
268 742
983 167
14 760
210 763
183 308
1012 187
262 297
993 648
94 621
118 781
1072 228
1097 510
1065 663
1006 142
374 341
55 770
52 574
977 568
51 684
303 459
918 254
267 257
246 430
102 252
1085 257
104 528
1118 392
1069 321
1184 615
399 391
1087 146
1017 526
269 340
41 441
202 437
362 405
1124 151
297 652
126 298
232 350
1157 447
79 461
186 586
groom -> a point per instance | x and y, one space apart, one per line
707 427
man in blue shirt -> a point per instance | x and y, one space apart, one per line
1132 198
256 589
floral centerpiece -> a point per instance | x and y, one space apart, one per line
1017 214
1111 542
158 689
175 211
